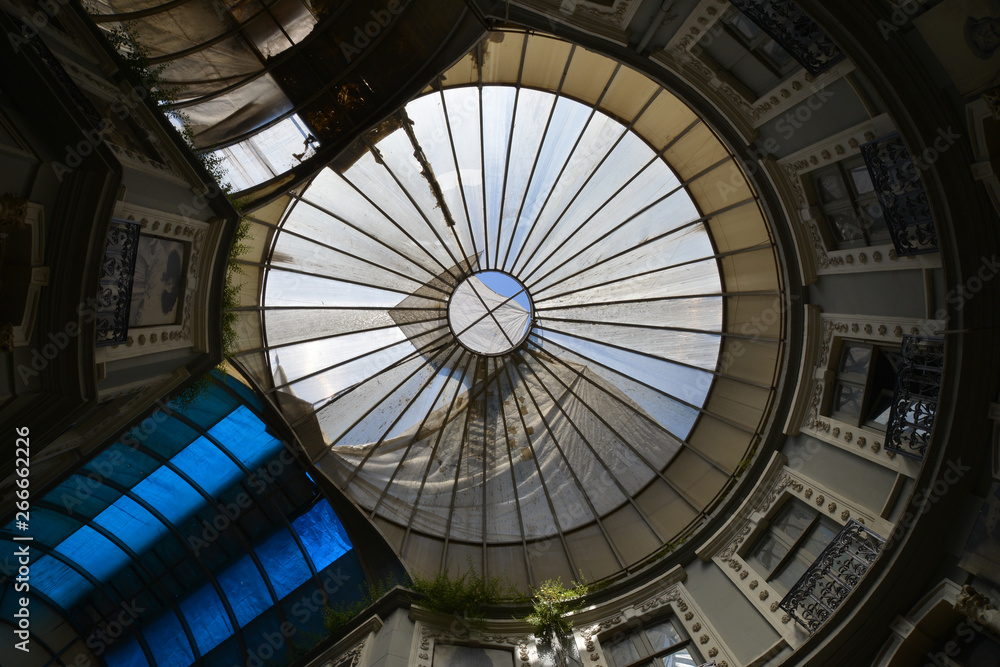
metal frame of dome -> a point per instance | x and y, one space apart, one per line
729 424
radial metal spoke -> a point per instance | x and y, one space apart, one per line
355 358
648 272
427 171
569 157
402 411
346 281
639 413
434 449
341 251
593 172
538 152
649 355
384 214
618 371
372 236
458 172
569 468
593 450
416 437
328 336
560 530
413 202
583 225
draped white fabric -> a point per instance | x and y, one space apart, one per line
571 432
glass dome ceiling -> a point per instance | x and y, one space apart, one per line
513 322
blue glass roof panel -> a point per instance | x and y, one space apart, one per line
246 437
129 654
62 584
167 641
284 563
207 618
132 524
322 534
94 553
243 585
208 466
166 491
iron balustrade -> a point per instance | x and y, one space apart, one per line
117 274
794 31
906 210
832 577
915 398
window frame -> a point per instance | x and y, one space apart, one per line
797 547
855 203
685 643
871 392
755 45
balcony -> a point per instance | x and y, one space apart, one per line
794 31
895 174
117 274
829 580
915 398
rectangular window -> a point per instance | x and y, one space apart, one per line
846 196
660 644
864 384
794 540
446 655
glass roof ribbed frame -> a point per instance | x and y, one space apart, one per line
694 154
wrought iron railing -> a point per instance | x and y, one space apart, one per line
117 273
69 85
915 399
794 31
895 175
829 580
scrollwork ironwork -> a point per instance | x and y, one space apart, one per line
117 273
915 399
829 580
789 26
906 210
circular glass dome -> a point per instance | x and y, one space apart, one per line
490 313
582 428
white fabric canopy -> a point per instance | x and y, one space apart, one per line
485 321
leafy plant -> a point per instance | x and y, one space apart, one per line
552 603
337 617
137 60
464 594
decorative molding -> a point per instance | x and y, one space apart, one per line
600 20
17 215
191 331
862 441
353 649
811 350
698 22
175 168
674 601
432 628
794 90
809 230
716 90
774 487
728 538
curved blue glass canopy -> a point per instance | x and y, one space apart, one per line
189 540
